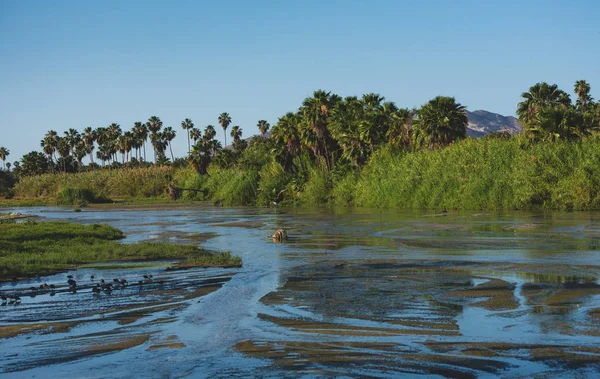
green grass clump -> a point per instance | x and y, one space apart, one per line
30 248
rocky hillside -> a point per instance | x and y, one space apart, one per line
484 122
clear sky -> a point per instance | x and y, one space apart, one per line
73 64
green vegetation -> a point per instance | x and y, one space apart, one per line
32 248
336 151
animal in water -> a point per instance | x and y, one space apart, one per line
34 289
116 280
52 293
4 299
102 281
108 288
147 277
124 282
69 276
280 235
52 287
72 284
92 278
96 290
44 286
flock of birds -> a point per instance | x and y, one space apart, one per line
102 286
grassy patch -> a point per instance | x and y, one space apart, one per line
28 249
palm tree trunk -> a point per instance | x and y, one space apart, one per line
189 146
144 144
172 159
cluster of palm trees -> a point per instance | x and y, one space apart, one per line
326 128
111 141
350 129
548 113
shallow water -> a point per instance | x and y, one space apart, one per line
351 293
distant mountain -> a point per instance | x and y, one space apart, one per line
484 122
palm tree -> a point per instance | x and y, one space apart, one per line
140 131
4 152
50 143
263 126
73 137
315 112
169 135
439 122
209 132
187 124
582 89
154 125
285 133
540 96
195 134
89 137
63 149
224 121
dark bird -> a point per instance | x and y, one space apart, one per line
116 280
34 289
92 277
52 287
3 299
69 276
72 283
96 290
124 282
140 283
146 277
52 293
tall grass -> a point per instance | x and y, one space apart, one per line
114 184
485 174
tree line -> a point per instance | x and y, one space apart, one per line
326 129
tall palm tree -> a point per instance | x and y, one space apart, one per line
315 111
224 121
89 137
50 143
582 90
64 149
263 126
73 137
440 122
154 125
169 135
140 131
540 95
187 124
4 152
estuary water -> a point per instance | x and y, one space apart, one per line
351 293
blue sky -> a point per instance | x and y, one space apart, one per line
73 64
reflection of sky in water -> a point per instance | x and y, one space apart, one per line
517 247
